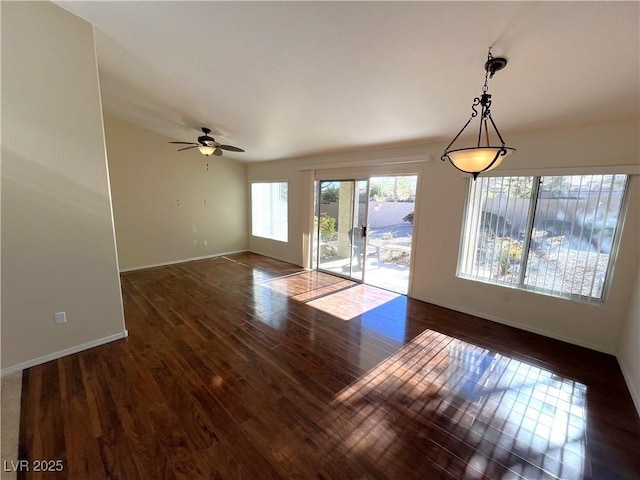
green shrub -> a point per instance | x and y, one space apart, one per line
327 226
509 252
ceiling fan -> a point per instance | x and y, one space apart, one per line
207 145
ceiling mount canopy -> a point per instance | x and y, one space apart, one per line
483 156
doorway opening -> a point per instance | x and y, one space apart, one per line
363 229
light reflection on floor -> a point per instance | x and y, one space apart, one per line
305 286
502 417
344 299
495 416
355 301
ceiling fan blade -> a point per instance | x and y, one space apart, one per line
185 143
187 148
231 148
217 152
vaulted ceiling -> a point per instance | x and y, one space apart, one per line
288 79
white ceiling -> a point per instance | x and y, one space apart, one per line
288 79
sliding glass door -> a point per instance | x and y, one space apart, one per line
340 224
363 229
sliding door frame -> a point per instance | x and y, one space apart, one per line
313 173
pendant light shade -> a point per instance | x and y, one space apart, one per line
483 156
478 160
206 150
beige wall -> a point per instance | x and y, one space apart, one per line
58 247
159 199
629 354
441 198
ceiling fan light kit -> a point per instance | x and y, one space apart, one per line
206 149
481 158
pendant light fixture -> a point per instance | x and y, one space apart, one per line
483 156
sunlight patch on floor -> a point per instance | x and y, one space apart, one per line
511 418
344 299
305 286
353 302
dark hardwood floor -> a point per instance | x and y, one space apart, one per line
244 367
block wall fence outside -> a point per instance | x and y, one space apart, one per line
381 214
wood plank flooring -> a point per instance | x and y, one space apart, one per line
244 367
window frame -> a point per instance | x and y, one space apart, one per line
285 230
528 234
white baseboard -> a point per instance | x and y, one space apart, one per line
522 326
192 259
635 395
62 353
275 257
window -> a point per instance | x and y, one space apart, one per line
553 235
269 210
